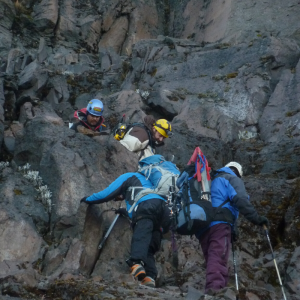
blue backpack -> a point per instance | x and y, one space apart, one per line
160 172
196 211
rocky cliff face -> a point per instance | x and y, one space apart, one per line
226 73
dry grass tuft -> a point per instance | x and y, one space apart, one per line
20 8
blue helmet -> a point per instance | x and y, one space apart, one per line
95 107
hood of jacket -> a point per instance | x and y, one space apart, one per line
81 115
149 121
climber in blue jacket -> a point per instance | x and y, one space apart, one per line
149 215
227 187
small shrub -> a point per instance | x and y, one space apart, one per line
20 8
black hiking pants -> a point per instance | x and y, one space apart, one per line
146 239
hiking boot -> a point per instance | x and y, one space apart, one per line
148 281
138 271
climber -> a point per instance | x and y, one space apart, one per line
150 218
90 119
227 186
144 137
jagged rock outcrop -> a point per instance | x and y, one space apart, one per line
8 14
225 73
233 21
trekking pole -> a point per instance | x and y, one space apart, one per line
174 223
280 282
235 268
108 232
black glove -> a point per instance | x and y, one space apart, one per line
263 221
119 198
84 200
122 211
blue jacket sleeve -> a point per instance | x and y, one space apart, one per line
118 187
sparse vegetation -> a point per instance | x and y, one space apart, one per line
223 46
208 94
291 113
227 89
219 77
125 69
20 8
232 75
267 58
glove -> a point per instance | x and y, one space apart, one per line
263 221
119 198
83 200
122 211
86 131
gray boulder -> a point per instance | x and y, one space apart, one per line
279 121
45 15
7 15
293 271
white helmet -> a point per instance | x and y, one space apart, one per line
235 165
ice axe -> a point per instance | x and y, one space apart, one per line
280 282
102 242
110 227
108 232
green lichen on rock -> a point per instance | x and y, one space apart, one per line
208 94
291 113
232 75
18 192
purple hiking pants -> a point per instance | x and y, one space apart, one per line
215 244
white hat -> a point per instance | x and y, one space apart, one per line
237 166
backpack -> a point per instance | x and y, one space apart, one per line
120 130
196 211
160 172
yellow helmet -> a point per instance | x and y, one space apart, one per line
163 127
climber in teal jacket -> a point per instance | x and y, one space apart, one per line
149 215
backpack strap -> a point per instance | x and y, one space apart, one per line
223 214
226 214
141 125
186 208
222 204
150 143
131 192
141 192
148 168
147 130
